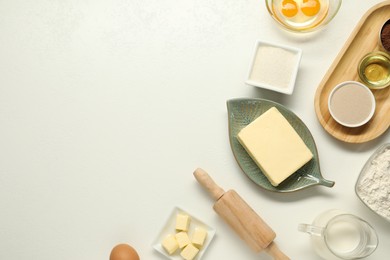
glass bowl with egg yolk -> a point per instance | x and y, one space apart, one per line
303 15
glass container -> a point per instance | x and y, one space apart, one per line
303 15
384 36
374 70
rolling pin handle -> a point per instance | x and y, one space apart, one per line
205 180
275 252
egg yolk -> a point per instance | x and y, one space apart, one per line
310 7
289 8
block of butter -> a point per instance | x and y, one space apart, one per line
170 244
274 145
199 236
182 239
189 252
182 222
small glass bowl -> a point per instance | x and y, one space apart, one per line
358 186
328 10
374 70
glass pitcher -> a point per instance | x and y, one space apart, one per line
336 235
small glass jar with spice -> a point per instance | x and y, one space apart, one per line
384 36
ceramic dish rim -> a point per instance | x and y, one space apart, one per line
290 89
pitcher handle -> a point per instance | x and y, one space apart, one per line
310 229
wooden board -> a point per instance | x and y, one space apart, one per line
364 39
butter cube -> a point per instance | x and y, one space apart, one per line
182 239
274 145
189 252
199 237
170 244
182 222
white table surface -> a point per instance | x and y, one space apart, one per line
107 107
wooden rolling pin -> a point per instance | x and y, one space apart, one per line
241 217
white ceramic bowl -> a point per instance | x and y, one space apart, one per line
274 67
350 105
169 228
370 190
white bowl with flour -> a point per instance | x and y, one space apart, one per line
373 184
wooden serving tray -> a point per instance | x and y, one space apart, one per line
364 39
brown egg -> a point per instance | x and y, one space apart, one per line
123 252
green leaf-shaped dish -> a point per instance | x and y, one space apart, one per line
242 112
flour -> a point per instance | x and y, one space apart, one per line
374 187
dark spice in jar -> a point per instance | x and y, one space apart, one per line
385 36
